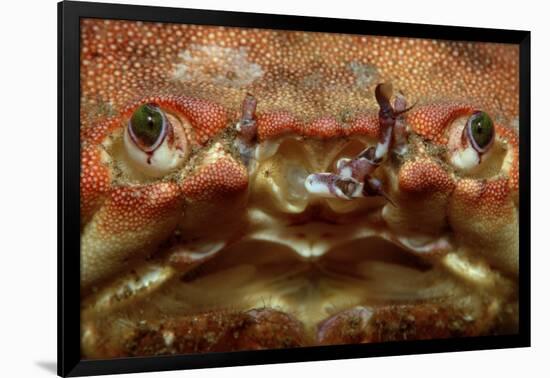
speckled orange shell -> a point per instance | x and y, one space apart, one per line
306 74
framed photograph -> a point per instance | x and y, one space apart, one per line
252 188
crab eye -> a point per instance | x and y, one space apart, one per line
480 131
147 127
155 141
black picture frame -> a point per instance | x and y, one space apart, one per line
69 360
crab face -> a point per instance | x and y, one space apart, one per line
279 192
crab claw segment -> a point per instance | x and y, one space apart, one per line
364 324
400 129
211 331
374 187
223 177
421 189
188 255
360 167
130 218
484 215
390 119
247 127
94 181
330 185
353 177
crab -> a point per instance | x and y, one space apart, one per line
256 189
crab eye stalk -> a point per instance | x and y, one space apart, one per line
470 140
147 127
153 145
480 131
383 93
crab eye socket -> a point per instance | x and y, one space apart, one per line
155 142
481 131
147 127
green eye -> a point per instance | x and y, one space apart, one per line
481 131
147 127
